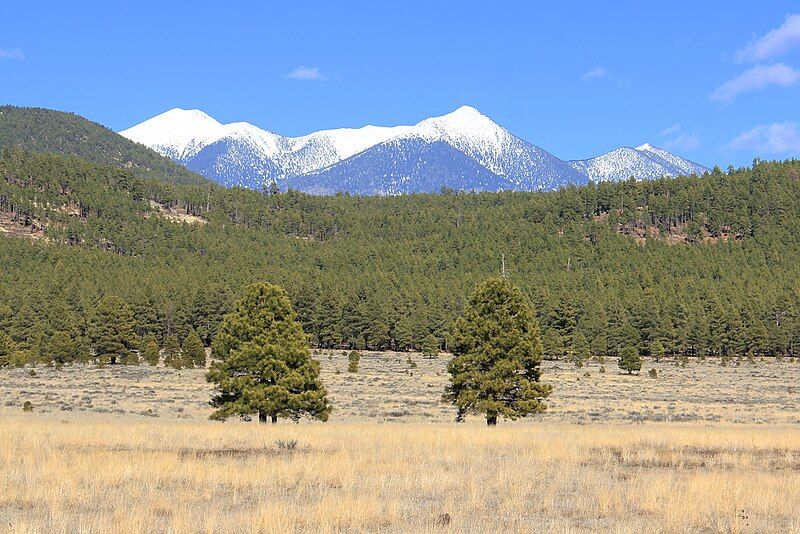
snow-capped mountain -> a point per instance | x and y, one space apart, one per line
462 150
645 162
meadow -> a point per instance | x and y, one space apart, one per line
701 448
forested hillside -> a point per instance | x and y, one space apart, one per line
700 265
46 130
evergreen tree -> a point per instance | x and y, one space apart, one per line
629 360
194 355
657 350
579 349
7 348
553 345
112 330
263 364
24 326
61 348
172 352
496 355
430 346
148 350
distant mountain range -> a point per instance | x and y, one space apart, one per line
463 150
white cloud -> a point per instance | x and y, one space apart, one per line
302 72
758 77
677 139
774 43
597 73
675 128
778 138
684 141
14 53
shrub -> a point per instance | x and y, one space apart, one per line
653 373
27 406
353 358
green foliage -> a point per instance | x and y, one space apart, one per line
112 330
496 355
353 359
172 352
149 351
7 348
657 350
194 355
553 346
263 363
629 360
384 273
579 349
430 346
45 130
653 373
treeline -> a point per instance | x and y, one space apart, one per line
392 272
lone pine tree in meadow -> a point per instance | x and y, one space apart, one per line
497 352
112 330
263 364
629 360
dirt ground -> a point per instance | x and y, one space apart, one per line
389 388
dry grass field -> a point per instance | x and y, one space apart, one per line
129 475
129 449
388 388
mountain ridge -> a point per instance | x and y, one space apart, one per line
241 154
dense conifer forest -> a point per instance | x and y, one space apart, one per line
688 266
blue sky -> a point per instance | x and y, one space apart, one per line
717 82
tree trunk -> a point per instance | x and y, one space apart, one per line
491 419
262 417
274 419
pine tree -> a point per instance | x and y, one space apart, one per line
496 355
172 352
24 326
430 346
553 345
112 330
148 350
61 348
7 348
579 349
629 360
194 355
657 350
264 365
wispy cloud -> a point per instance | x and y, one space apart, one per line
675 128
774 43
597 73
674 138
302 72
13 53
600 73
777 138
754 79
684 141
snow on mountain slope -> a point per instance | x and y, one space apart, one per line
259 156
644 162
240 154
405 164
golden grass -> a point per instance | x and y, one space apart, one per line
132 475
